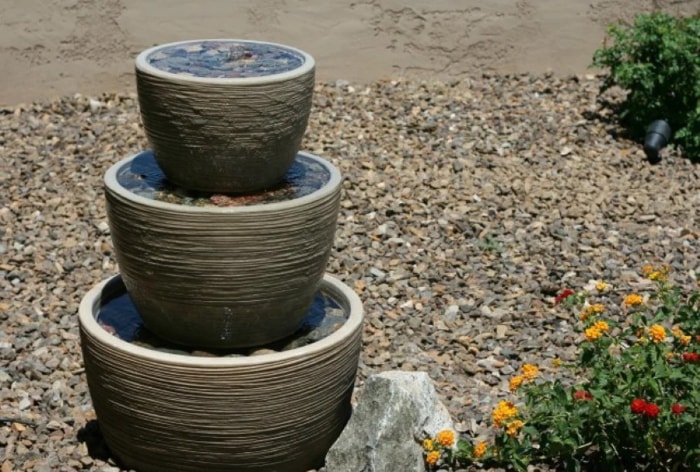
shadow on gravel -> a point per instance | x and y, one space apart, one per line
91 435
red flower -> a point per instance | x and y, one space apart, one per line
638 406
582 395
651 410
691 357
677 409
566 293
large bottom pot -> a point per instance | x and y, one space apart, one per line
160 411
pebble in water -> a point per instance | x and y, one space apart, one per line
143 177
225 59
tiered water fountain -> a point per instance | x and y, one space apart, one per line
223 345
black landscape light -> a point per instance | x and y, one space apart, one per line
658 135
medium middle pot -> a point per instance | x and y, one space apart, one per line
222 271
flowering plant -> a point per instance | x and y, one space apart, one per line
631 401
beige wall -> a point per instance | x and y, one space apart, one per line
56 47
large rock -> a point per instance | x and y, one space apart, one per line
395 411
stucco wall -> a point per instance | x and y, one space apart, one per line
55 47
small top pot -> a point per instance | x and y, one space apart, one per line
225 115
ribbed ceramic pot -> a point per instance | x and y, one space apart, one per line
225 115
277 412
221 271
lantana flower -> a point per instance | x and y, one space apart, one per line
566 293
692 357
591 309
582 395
445 438
480 449
637 406
677 409
633 299
530 371
657 333
516 382
641 407
505 410
432 457
513 427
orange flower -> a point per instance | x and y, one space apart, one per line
633 300
445 438
505 410
601 326
647 269
432 457
480 450
657 333
516 382
530 371
513 427
590 309
657 275
682 337
592 333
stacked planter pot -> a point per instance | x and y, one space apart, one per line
222 345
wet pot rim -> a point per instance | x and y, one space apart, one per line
343 294
143 66
112 184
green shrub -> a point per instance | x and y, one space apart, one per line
657 61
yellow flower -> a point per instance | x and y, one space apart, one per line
592 333
657 333
445 438
432 457
677 332
633 299
530 371
684 340
505 410
556 362
480 450
657 275
601 286
601 326
513 427
516 382
647 269
590 309
428 444
670 356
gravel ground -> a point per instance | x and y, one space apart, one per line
467 206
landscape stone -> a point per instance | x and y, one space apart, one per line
395 412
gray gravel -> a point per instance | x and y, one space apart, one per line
467 206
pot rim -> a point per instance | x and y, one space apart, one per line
332 285
143 65
111 183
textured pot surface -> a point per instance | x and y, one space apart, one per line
210 276
277 412
216 128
